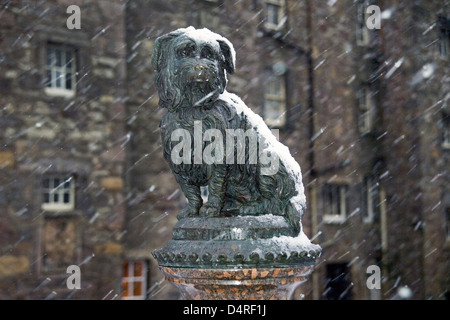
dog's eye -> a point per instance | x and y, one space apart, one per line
186 52
207 53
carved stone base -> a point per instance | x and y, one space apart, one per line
236 258
237 283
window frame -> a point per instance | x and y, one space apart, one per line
372 199
274 98
62 91
60 205
445 131
281 14
132 279
363 35
366 110
443 37
339 210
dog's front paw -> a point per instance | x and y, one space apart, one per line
250 209
187 212
210 209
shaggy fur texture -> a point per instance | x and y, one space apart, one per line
191 68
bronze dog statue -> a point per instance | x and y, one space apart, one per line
192 67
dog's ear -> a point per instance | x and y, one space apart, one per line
160 43
228 53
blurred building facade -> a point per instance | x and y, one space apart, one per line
365 113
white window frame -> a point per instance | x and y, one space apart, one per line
370 185
132 278
362 32
446 131
281 4
60 190
276 98
51 88
337 215
366 109
444 40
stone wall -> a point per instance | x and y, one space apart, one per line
82 136
403 149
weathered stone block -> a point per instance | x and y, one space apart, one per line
13 265
108 248
107 98
114 154
104 73
112 183
6 159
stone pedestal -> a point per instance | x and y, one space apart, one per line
237 283
236 258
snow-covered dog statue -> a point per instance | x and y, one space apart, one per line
192 67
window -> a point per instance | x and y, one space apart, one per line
338 282
274 14
446 131
444 36
371 199
60 71
362 32
334 198
58 193
134 281
275 101
366 110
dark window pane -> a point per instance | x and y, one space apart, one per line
125 269
46 198
272 109
125 289
58 79
48 80
69 59
56 182
49 56
46 183
56 197
67 183
137 289
58 58
272 13
338 192
69 81
66 197
138 269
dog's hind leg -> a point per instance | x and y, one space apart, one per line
193 195
217 188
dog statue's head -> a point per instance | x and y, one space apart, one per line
191 66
